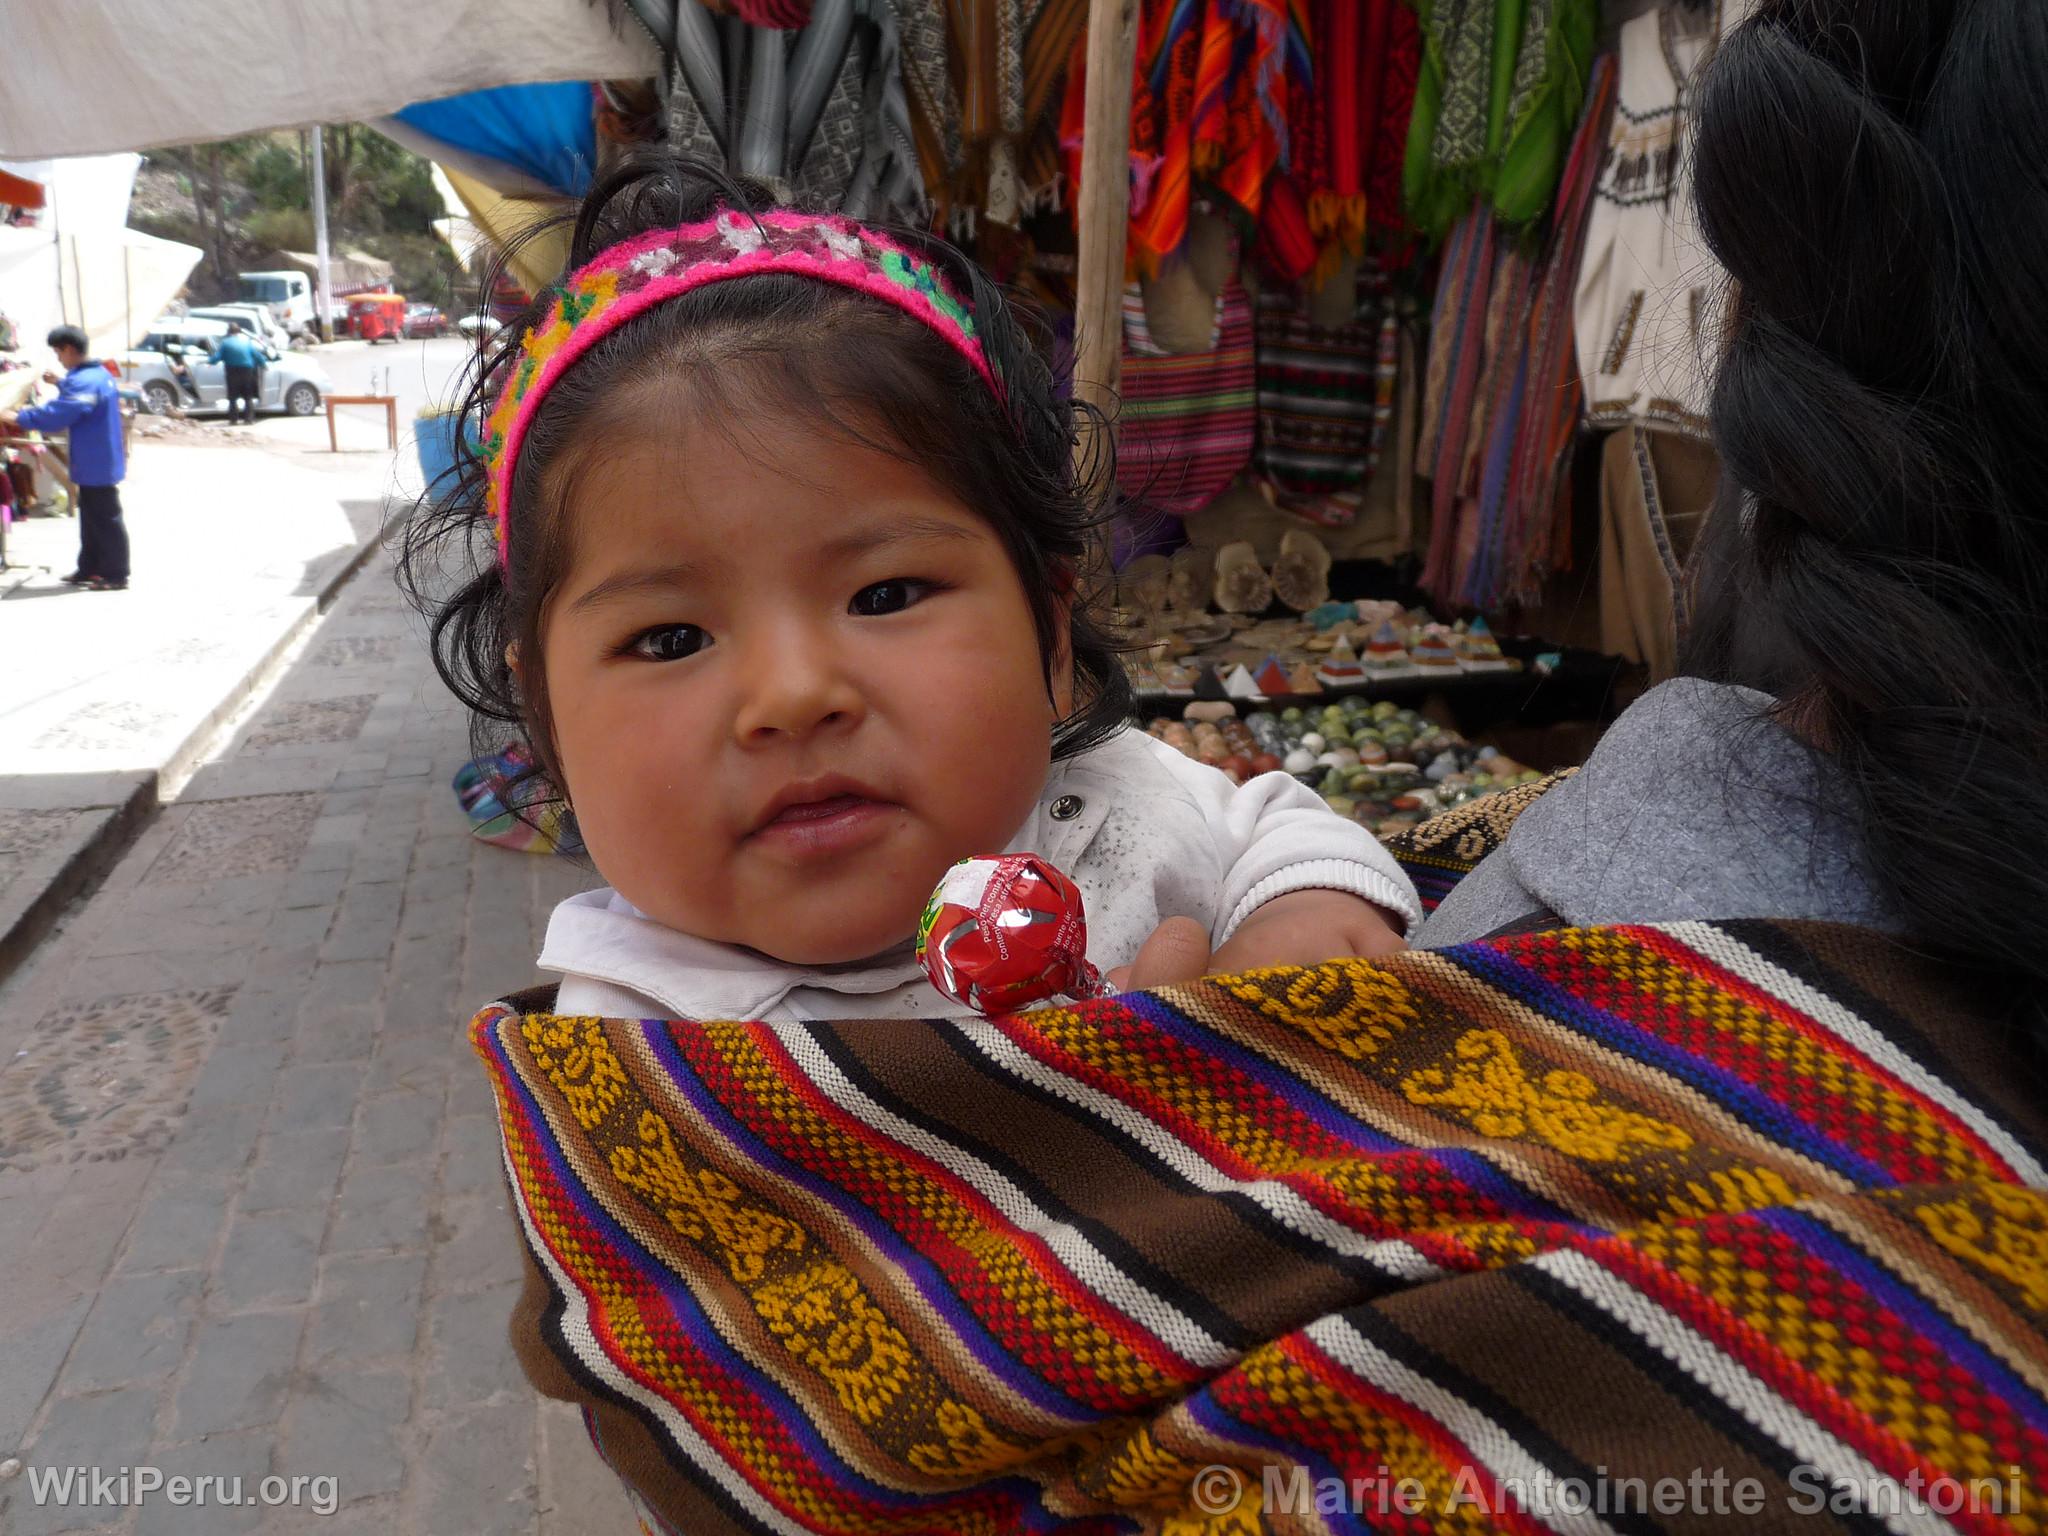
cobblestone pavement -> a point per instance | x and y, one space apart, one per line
252 1217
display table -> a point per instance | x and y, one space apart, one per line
389 402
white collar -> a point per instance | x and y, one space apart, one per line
601 935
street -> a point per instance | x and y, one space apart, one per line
252 1214
422 372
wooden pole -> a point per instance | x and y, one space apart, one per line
1103 209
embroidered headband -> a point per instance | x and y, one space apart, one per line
634 276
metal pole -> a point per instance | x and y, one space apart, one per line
323 290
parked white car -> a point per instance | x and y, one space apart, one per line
292 383
256 319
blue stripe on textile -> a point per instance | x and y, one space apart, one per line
683 1307
1470 1169
1846 1258
923 1273
1177 22
1778 1121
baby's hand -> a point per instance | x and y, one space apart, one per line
1300 928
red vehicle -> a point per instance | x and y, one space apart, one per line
425 320
377 316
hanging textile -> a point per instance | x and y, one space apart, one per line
1501 83
1051 41
1648 289
1347 139
1540 533
1185 425
934 105
1656 488
1325 396
1549 90
823 110
987 49
1209 95
1503 399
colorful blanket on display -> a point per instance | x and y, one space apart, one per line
1581 1230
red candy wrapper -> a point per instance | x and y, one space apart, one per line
1007 932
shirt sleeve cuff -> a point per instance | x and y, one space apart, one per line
1361 880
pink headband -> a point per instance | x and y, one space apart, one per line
633 277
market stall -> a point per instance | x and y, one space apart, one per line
1395 311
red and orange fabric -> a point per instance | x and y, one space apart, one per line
1348 136
1209 97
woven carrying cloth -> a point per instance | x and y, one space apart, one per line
1621 1203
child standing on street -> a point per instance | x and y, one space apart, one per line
785 597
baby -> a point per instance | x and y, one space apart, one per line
786 601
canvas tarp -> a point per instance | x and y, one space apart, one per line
131 74
483 221
111 283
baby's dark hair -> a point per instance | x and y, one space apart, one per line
771 342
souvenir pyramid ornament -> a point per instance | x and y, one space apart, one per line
1385 655
1301 679
1432 651
1272 678
1478 651
1240 684
1340 668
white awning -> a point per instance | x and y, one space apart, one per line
110 283
79 79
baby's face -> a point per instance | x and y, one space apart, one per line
791 683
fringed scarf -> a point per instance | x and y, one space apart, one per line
1479 1239
1505 397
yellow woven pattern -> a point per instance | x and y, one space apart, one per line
808 1300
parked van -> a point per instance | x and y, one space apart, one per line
287 294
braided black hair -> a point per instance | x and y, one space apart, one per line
784 342
1874 176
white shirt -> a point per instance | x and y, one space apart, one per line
1145 832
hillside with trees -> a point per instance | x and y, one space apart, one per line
239 200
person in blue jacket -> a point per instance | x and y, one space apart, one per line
243 359
88 403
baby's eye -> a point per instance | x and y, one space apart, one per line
668 642
891 596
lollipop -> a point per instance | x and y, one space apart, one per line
1006 932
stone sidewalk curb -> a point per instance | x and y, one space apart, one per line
27 915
